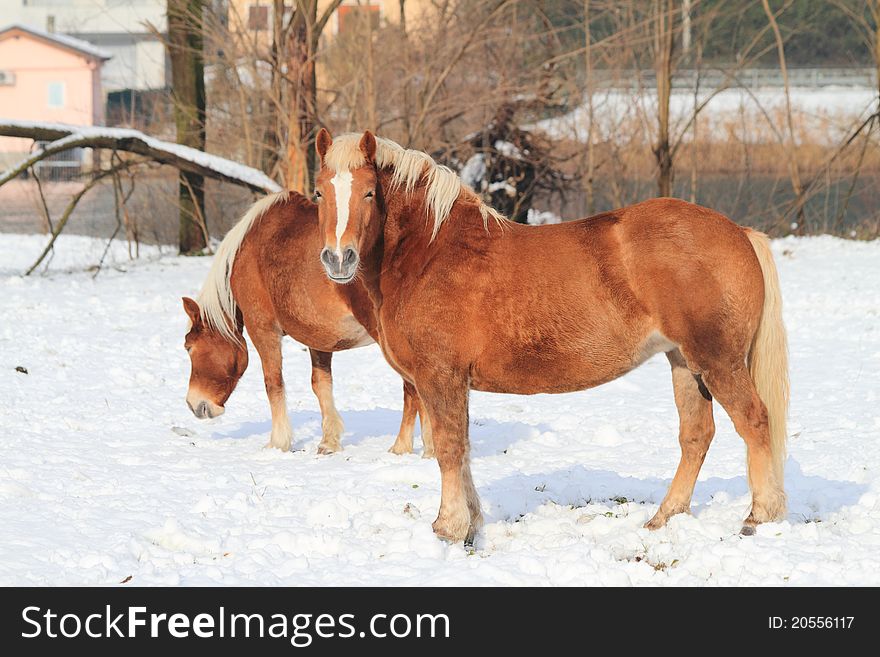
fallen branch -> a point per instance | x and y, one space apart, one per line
66 137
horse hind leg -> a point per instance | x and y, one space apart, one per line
412 408
473 501
427 432
322 385
696 430
404 442
735 391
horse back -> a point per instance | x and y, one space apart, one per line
279 283
573 305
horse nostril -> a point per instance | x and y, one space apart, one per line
327 257
202 410
349 257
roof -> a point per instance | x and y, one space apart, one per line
62 40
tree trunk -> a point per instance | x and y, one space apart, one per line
791 146
301 128
875 14
271 149
370 81
663 48
188 94
588 83
406 56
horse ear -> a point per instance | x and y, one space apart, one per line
323 142
368 146
192 309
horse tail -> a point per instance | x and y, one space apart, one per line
768 356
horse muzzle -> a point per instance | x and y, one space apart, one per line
203 409
340 269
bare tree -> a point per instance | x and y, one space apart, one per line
188 93
664 45
790 142
305 36
591 114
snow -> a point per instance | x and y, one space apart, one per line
473 173
826 114
502 186
508 150
540 217
216 163
105 474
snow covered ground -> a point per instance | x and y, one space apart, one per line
825 114
105 475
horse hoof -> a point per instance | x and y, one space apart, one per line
452 535
655 523
428 454
282 448
399 451
328 449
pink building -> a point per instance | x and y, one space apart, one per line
47 77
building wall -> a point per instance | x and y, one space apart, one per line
86 16
138 62
37 65
117 26
389 11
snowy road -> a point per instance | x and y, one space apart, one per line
106 475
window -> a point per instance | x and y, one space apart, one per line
258 17
56 95
355 17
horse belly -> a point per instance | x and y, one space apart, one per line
545 375
352 335
328 332
545 368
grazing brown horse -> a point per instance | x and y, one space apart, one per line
467 300
266 279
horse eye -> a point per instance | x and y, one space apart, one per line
369 194
189 350
317 195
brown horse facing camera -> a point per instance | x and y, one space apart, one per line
266 279
467 300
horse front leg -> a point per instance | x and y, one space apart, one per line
446 400
322 385
268 345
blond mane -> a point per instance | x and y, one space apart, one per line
443 187
217 305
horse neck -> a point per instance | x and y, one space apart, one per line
406 221
409 226
405 246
